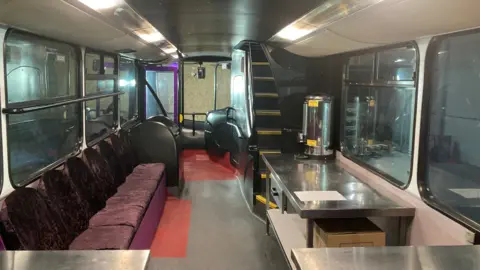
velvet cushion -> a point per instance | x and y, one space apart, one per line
128 215
108 237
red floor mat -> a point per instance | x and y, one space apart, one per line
171 238
199 166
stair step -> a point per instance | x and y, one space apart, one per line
268 121
268 112
258 55
262 200
260 63
269 131
266 95
262 72
260 86
264 78
269 151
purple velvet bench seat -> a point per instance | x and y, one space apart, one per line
93 202
138 204
111 237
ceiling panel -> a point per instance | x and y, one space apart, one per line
388 22
60 20
396 20
218 25
325 43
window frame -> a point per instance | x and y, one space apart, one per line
422 182
34 176
374 82
99 77
131 122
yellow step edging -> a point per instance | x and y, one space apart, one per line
266 95
268 112
260 63
262 199
269 132
264 152
264 78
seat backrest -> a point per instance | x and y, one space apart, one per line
100 169
65 197
36 223
113 161
129 150
90 189
121 150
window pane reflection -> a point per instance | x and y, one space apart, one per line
397 64
100 117
127 83
40 138
453 151
163 83
39 69
379 121
360 68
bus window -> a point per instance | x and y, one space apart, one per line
163 83
100 113
360 68
127 83
40 72
109 65
451 152
379 112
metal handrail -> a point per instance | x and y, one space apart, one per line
32 108
193 116
157 99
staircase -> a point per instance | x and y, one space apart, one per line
267 118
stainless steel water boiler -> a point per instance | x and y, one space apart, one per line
317 125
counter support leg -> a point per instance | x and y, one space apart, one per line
267 204
403 229
284 202
310 233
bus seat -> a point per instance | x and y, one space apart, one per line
60 205
150 172
66 199
90 189
141 184
130 154
121 150
100 169
119 214
126 197
114 164
153 142
34 221
104 237
137 191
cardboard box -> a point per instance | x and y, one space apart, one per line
356 232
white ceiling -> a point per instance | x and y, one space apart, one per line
60 20
390 21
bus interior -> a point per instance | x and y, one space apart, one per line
177 134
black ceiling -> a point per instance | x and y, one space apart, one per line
199 27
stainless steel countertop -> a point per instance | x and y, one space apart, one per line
313 175
74 260
391 258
